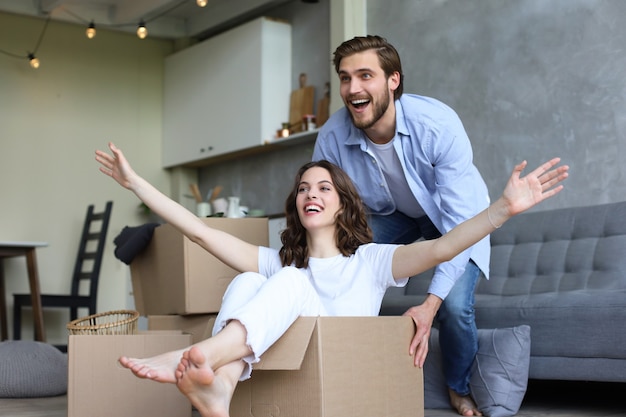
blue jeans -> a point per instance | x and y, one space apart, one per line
458 337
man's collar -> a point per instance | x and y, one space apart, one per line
401 127
356 136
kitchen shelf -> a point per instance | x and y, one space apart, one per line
292 140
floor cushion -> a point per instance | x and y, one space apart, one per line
499 374
31 369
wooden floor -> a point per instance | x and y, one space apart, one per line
543 399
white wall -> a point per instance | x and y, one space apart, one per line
85 93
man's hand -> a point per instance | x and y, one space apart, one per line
423 316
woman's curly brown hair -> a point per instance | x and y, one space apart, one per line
351 231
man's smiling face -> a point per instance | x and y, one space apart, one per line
364 88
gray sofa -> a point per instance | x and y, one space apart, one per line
563 273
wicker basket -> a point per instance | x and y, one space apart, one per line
108 323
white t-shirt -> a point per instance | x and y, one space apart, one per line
396 180
347 286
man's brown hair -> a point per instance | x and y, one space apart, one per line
388 57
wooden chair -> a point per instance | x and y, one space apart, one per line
86 268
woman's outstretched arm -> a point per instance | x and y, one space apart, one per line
520 194
238 254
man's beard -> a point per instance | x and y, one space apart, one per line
379 109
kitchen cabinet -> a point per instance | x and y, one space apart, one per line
228 93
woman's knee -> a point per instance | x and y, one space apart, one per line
246 280
290 270
250 277
294 284
290 275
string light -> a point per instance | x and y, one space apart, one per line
34 62
32 59
91 30
142 32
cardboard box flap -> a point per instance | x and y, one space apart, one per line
288 351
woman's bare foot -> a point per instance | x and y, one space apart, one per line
159 368
209 391
463 404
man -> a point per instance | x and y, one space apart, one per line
411 161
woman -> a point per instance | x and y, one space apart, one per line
327 266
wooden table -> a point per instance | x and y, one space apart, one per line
27 249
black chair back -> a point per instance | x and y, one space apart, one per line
87 268
90 253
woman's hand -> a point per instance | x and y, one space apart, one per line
522 193
116 166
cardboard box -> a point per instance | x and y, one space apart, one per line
336 367
175 276
99 387
199 326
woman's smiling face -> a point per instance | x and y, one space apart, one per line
317 199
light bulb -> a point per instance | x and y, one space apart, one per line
34 62
91 31
142 32
201 3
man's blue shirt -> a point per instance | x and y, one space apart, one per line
437 159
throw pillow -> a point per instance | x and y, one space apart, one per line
500 371
499 374
31 369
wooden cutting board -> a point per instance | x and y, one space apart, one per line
300 103
323 106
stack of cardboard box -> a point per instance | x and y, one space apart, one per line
322 366
178 285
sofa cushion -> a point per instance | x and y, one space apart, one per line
31 369
499 374
561 316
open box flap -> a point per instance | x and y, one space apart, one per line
288 351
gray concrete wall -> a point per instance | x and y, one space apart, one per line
531 79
